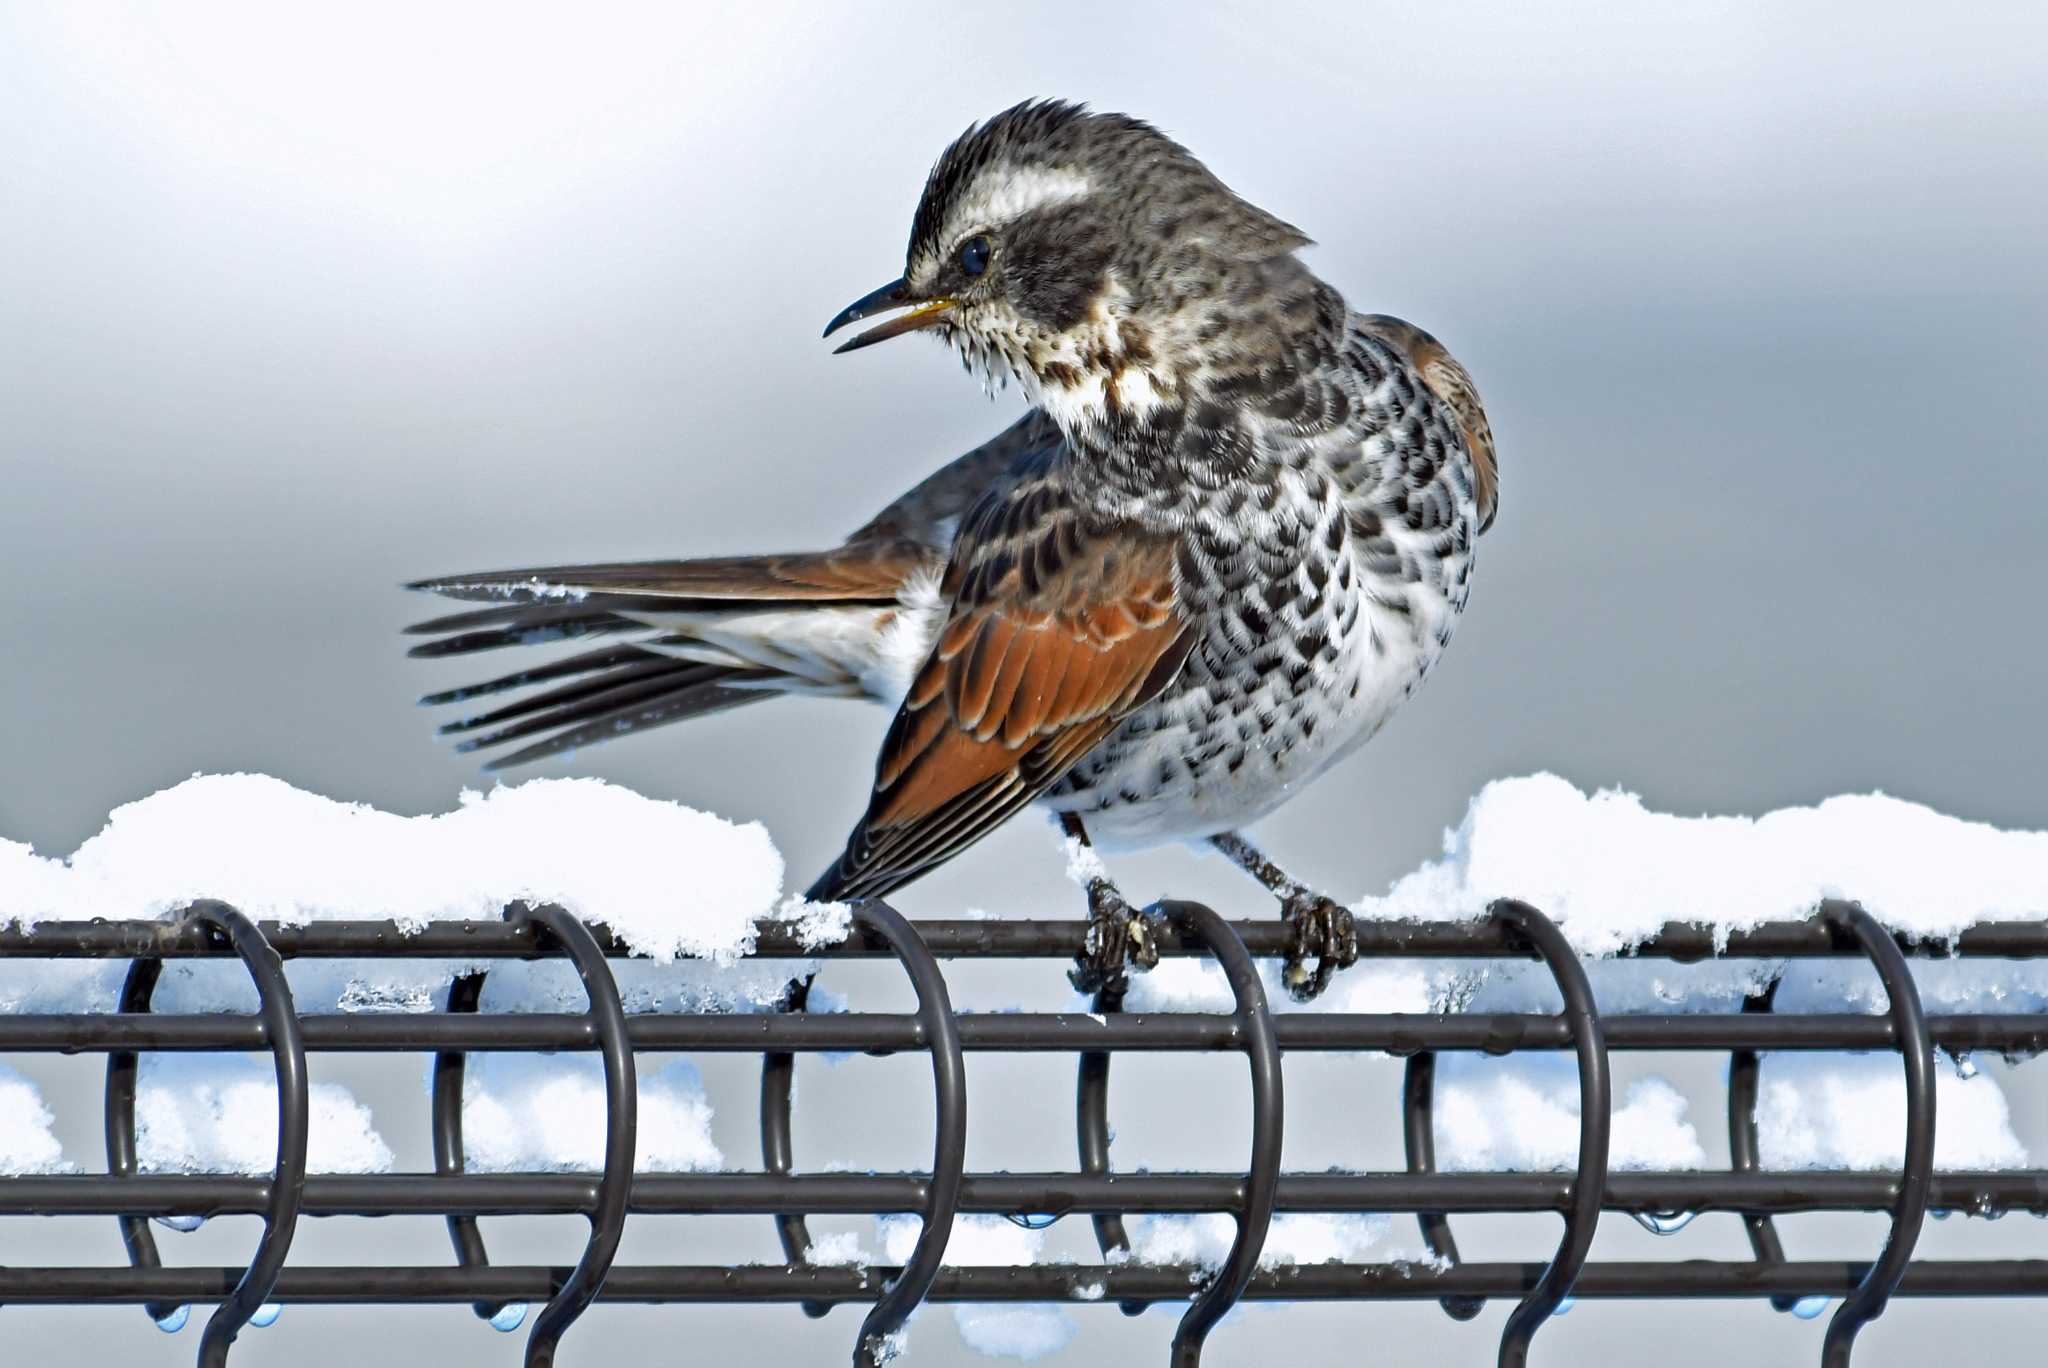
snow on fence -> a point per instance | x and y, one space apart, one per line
1501 1014
945 1192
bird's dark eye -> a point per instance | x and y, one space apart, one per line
974 255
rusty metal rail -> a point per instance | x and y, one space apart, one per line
1251 1197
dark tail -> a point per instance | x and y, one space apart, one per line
674 640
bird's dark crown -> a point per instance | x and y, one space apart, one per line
1083 191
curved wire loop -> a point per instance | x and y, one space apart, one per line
1262 1179
1418 1134
949 1144
615 1188
778 1154
288 1178
1582 1217
1742 1144
446 1112
1091 1130
118 1118
1909 1024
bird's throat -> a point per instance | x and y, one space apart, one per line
1105 372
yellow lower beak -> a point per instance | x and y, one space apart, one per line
895 295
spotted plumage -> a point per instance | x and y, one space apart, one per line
1234 531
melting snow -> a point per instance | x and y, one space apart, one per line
668 879
27 1145
1204 1240
1611 872
686 890
218 1114
1524 1115
523 1113
1803 1099
683 888
996 1330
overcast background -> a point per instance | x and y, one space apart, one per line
298 304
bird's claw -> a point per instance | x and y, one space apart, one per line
1118 936
1325 940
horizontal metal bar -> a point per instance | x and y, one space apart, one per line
1082 1283
959 938
887 1032
1057 1194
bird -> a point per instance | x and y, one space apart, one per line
1233 531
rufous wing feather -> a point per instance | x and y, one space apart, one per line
1056 632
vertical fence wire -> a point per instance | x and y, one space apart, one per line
288 1176
1595 1124
778 1148
1091 1131
1255 1025
1868 1301
118 1118
1743 1069
949 1142
445 1111
1418 1139
621 1098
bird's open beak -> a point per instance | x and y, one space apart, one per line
895 295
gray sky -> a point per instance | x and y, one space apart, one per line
301 305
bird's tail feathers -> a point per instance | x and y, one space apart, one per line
680 639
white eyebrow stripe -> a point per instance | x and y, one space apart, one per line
1020 192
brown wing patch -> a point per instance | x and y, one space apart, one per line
1452 384
1056 635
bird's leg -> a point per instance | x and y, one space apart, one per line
1118 934
1324 938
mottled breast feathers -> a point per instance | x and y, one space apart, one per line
1452 385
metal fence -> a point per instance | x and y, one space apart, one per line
1512 930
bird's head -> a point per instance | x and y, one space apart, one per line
1087 255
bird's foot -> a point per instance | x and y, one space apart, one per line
1119 936
1325 940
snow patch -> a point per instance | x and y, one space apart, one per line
218 1114
1952 986
817 925
669 880
1523 1115
1848 1111
840 1249
1084 866
1016 1332
1611 872
1204 1240
995 1330
27 1144
975 1241
681 887
546 1113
